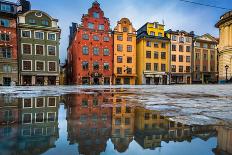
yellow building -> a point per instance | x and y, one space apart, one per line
225 47
181 56
124 53
152 54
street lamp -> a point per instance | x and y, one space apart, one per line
226 67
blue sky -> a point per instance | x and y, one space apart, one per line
175 14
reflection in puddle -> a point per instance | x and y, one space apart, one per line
101 122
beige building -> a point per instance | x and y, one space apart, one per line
225 46
181 56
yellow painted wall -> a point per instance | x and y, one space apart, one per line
151 28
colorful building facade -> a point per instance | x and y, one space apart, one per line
181 56
8 43
152 54
225 47
205 60
90 52
124 53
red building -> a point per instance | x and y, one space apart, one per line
90 51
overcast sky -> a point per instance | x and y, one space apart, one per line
175 14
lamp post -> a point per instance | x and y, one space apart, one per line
226 67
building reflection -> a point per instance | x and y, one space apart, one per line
32 125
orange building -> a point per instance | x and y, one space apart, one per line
124 53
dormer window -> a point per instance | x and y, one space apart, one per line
160 34
44 22
90 25
5 7
96 15
32 21
125 29
152 33
101 27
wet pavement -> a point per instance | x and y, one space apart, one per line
163 120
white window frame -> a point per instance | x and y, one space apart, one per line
48 101
48 51
43 102
23 118
56 66
38 38
22 52
26 129
23 65
51 33
51 113
43 49
25 30
35 117
31 103
36 65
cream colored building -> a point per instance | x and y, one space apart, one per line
225 46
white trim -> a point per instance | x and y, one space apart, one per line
54 117
35 117
25 30
48 51
49 102
22 51
31 103
23 118
43 49
36 65
55 66
23 64
43 102
52 33
38 38
25 129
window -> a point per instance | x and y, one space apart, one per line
39 49
129 48
188 59
147 116
163 67
85 36
148 54
39 102
187 69
51 50
129 38
96 51
85 50
197 67
129 70
106 66
174 58
173 68
188 39
205 45
27 118
198 56
4 22
156 66
119 47
174 38
197 44
5 7
188 48
44 22
129 59
156 45
212 68
181 58
119 59
39 117
118 121
125 29
156 55
205 56
152 33
51 102
181 39
95 65
173 47
96 15
26 48
95 38
212 46
85 65
163 45
119 70
148 66
160 34
148 43
84 103
7 68
26 34
204 68
106 52
5 37
51 36
163 55
181 48
106 39
39 35
51 116
181 69
6 52
119 38
39 66
90 25
27 65
51 66
127 121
